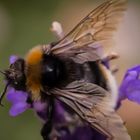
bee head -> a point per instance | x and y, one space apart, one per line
15 75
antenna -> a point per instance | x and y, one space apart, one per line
3 93
2 72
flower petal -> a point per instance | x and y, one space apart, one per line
16 96
130 86
41 109
59 112
18 108
13 58
133 91
18 100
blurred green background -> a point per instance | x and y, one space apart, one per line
26 23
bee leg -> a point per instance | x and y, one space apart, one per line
47 128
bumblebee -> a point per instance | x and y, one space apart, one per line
71 70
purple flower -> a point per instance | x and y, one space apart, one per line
18 100
130 86
13 58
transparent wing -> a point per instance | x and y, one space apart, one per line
95 29
92 104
